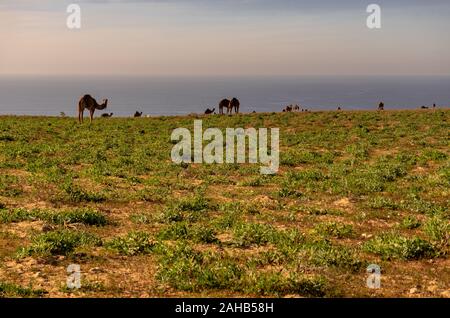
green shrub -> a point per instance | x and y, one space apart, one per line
76 195
60 242
195 204
182 231
142 218
323 253
410 223
134 243
8 290
275 284
382 203
438 230
287 192
393 246
186 269
85 216
334 229
247 234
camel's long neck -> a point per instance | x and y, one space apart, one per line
100 106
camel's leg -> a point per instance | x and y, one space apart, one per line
91 114
80 116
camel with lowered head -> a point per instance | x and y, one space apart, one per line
224 103
230 105
88 102
234 103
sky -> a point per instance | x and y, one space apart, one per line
224 38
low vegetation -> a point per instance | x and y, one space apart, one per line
353 189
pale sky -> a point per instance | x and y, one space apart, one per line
225 37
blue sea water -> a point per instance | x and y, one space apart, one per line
183 95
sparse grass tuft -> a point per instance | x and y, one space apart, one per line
84 216
247 234
334 229
410 223
60 242
134 243
393 246
438 230
9 290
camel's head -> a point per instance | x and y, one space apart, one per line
103 104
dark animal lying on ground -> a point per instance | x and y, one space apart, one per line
209 111
137 114
107 115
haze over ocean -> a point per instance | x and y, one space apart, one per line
184 95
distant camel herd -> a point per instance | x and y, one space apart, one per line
291 108
89 103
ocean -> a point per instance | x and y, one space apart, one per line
183 95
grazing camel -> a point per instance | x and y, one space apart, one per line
288 109
107 115
209 111
87 101
137 114
224 103
235 104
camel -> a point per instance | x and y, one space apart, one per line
288 109
137 114
107 115
424 107
224 103
234 103
381 106
297 108
209 111
87 101
339 108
